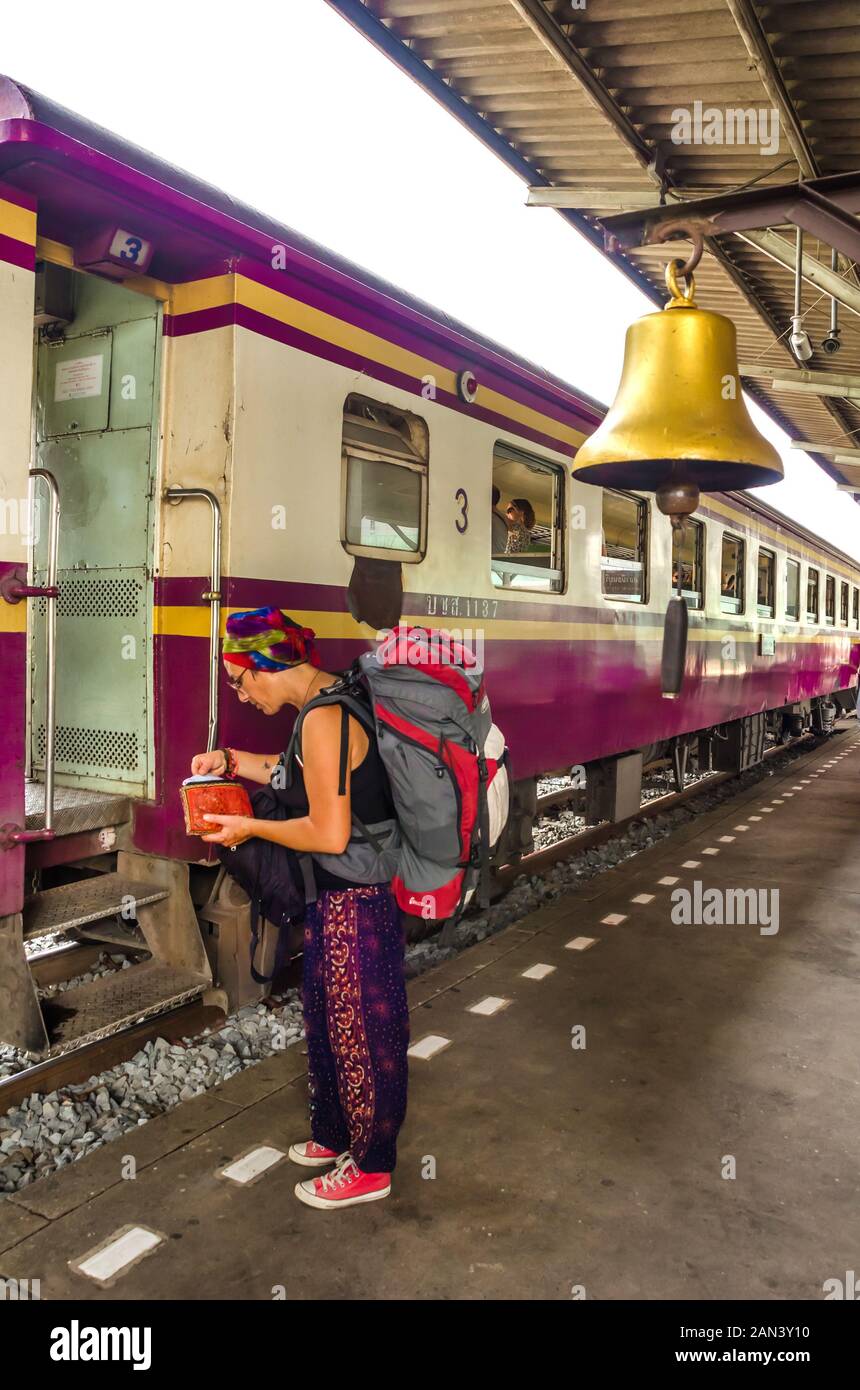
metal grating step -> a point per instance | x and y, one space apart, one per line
75 810
73 905
111 932
112 1002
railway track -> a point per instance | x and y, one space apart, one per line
542 860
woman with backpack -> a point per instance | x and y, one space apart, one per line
354 994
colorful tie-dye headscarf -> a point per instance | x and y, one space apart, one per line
266 639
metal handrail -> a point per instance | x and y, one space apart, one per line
179 494
51 596
13 592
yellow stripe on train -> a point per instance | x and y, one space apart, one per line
17 222
176 620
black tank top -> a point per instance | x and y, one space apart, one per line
370 800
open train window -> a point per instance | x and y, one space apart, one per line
792 589
855 608
843 606
624 547
830 600
732 562
691 558
530 506
384 483
812 599
766 585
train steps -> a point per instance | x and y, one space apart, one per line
75 811
144 907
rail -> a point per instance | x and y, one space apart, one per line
13 592
180 494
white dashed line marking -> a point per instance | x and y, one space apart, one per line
727 839
493 1004
613 920
667 882
253 1164
767 810
121 1250
538 972
428 1047
692 864
643 898
741 827
710 851
581 943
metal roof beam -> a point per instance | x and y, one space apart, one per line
827 208
829 450
782 251
803 378
556 197
565 52
749 27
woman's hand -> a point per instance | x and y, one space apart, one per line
229 830
203 763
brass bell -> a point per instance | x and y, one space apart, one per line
679 423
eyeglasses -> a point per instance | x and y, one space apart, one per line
236 682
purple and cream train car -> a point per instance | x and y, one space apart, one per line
226 415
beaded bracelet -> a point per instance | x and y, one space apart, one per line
229 762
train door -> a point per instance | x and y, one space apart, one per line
95 430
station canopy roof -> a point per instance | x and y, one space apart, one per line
583 101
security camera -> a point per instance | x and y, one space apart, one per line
831 343
799 339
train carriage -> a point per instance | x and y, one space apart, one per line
225 415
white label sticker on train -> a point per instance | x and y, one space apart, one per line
78 378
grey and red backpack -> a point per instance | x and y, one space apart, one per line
422 693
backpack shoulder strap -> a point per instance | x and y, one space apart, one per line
350 704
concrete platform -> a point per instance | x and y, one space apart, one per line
530 1168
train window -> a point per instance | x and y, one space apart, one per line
811 595
732 574
766 574
624 547
384 487
691 559
792 589
830 600
843 606
531 503
856 608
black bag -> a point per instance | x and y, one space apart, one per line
272 876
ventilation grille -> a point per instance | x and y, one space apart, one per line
97 598
92 747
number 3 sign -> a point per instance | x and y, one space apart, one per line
117 252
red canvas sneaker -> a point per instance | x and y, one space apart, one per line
344 1186
313 1155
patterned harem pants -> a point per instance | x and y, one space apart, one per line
357 1023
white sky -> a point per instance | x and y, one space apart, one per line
289 109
